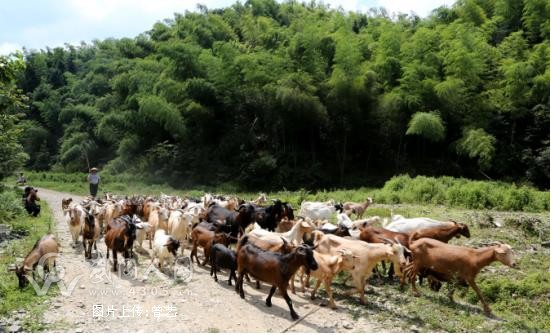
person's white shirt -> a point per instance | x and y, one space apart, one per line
93 178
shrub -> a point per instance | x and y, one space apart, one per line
10 205
460 192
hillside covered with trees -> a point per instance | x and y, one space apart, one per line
271 95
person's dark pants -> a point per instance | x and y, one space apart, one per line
94 189
33 209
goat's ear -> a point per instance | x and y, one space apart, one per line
501 249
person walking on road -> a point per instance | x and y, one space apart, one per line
21 180
93 179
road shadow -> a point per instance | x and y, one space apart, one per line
303 305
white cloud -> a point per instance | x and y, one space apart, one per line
420 7
7 48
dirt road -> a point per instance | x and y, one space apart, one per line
93 298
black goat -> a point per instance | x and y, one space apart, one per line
269 217
223 257
272 267
235 221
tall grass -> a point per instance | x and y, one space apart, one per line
11 297
460 192
449 191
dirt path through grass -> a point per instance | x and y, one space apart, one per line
200 305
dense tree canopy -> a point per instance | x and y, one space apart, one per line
12 102
268 94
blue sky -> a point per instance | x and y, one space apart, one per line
35 24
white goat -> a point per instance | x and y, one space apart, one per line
317 210
403 225
164 247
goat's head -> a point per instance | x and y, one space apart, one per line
21 273
131 226
164 213
288 211
463 230
246 213
306 254
65 203
397 252
89 219
172 245
504 254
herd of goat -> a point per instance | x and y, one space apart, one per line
272 245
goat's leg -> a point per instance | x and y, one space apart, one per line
487 309
360 285
194 253
214 268
239 285
269 299
114 260
413 287
232 274
391 271
206 252
292 284
283 290
451 289
313 294
303 277
327 285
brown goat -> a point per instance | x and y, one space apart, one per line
357 208
119 237
273 268
44 250
447 262
269 245
65 202
206 238
372 234
443 233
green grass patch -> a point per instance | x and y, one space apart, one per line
448 191
12 298
518 297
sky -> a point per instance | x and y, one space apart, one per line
35 24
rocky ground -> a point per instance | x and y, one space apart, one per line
92 298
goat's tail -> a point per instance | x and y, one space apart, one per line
244 240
